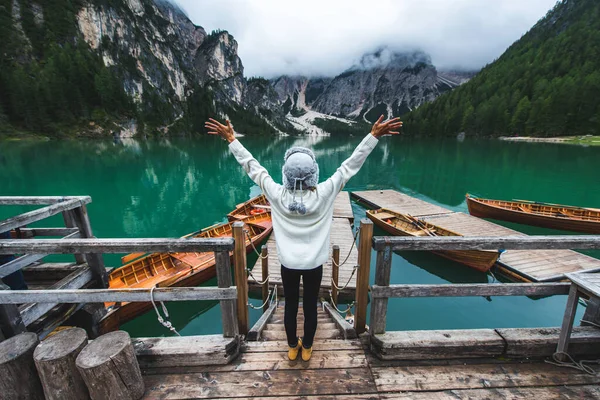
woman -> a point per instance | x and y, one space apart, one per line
302 212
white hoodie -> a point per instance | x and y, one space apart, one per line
303 240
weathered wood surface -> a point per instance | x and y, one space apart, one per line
93 259
379 305
116 295
184 352
592 313
11 322
587 281
418 345
55 362
110 369
224 280
40 214
335 273
49 272
73 246
398 202
241 276
348 331
362 279
256 331
27 233
342 208
471 289
76 280
541 342
18 376
264 264
341 235
487 242
567 324
40 200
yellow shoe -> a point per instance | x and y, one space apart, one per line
306 353
293 351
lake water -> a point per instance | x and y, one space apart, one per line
167 188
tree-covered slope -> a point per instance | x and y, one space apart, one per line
545 84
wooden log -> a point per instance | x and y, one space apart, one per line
346 328
541 342
241 279
264 254
39 200
471 289
488 242
81 246
335 273
38 215
110 369
116 295
259 326
379 305
55 361
362 278
11 322
228 312
18 376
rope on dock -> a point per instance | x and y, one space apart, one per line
336 307
260 257
578 365
166 320
347 283
350 252
255 280
271 298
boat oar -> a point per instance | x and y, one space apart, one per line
556 205
419 224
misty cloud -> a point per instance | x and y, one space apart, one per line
325 37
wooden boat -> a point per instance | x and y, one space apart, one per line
406 225
255 206
174 269
547 215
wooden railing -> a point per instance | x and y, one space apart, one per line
226 293
382 290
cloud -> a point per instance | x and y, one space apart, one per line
325 37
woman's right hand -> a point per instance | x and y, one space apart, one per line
216 128
386 128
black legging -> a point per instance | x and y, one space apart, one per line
311 282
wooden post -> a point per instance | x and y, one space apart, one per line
335 273
55 361
94 260
264 254
18 376
11 322
379 305
228 307
69 218
241 278
109 368
567 324
362 278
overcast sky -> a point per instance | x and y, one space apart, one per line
325 37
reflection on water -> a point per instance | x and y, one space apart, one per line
169 187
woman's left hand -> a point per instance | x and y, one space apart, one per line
216 128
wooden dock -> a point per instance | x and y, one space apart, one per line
341 235
525 265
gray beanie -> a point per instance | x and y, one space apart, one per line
300 171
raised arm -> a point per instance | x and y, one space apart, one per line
352 165
255 171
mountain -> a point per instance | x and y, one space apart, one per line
382 82
546 84
102 65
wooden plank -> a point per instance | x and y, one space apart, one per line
487 242
348 331
321 345
471 289
40 214
49 271
398 202
335 273
224 280
477 376
241 276
567 324
259 326
260 383
185 351
330 325
117 295
33 232
382 280
40 200
72 246
76 280
11 323
342 208
320 334
418 345
586 281
542 342
264 255
362 279
545 393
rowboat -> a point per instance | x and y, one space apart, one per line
255 206
547 215
407 225
174 269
